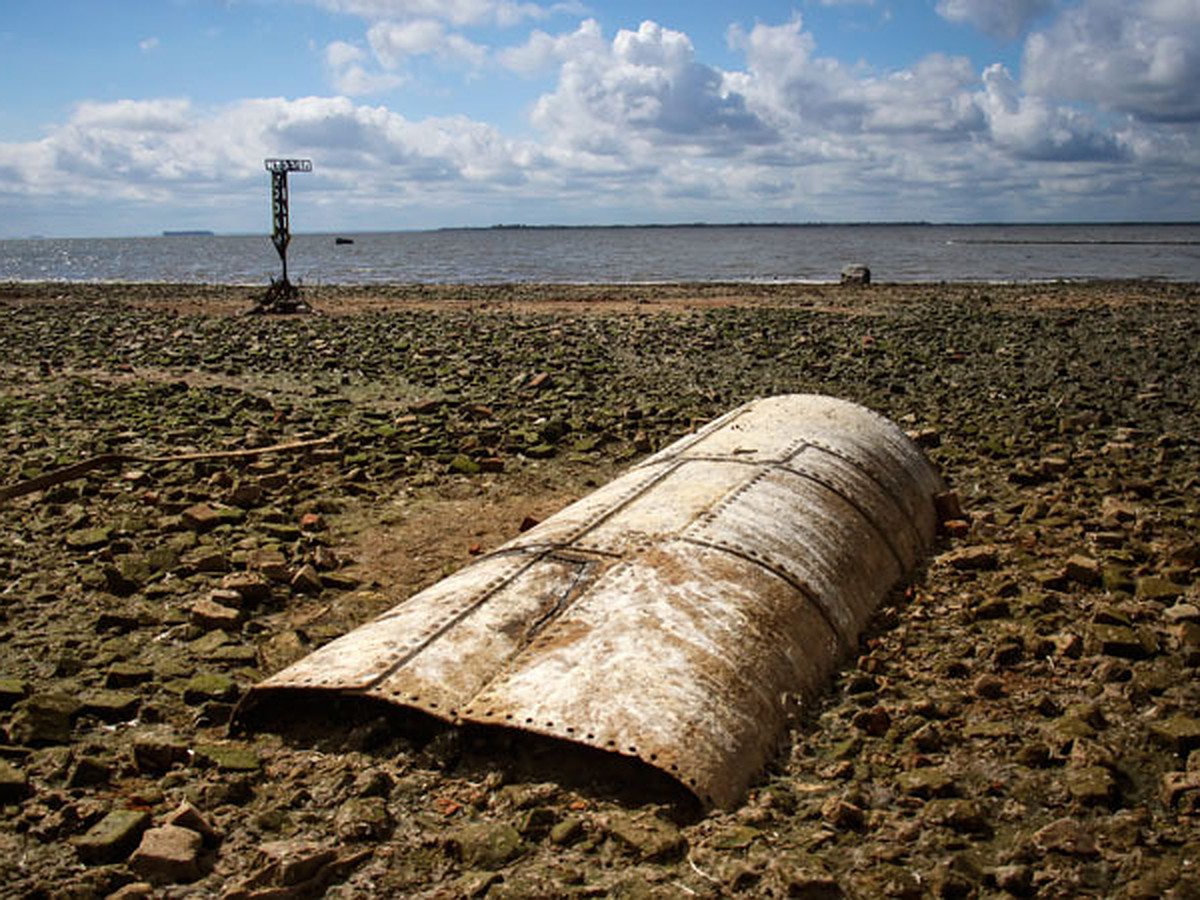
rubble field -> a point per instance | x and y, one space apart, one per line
192 498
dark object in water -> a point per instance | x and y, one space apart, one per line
343 240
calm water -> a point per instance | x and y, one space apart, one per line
909 253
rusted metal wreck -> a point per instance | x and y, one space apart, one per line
675 615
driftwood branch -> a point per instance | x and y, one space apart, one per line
79 469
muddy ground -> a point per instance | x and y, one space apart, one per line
1021 720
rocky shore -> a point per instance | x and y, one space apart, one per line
1022 720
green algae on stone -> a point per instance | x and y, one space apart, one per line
646 837
209 686
1090 785
737 837
113 838
363 819
1180 733
44 719
89 538
111 705
567 832
464 465
127 674
228 757
488 845
1158 587
12 690
14 784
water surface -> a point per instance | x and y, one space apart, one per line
800 253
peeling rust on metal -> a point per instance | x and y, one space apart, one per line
675 614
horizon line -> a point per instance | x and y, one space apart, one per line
516 226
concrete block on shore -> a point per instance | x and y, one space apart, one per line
856 273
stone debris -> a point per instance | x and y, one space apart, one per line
363 819
12 690
168 854
1084 570
189 817
1021 721
209 614
113 838
967 559
1180 733
45 718
486 845
14 784
135 890
647 838
1067 836
158 752
293 869
855 273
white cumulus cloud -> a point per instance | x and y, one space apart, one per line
636 119
1142 58
1000 18
787 83
133 116
147 146
932 97
645 86
1033 129
543 51
395 42
349 74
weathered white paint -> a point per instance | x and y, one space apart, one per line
670 614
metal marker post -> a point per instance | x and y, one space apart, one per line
283 295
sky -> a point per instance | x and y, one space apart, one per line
129 117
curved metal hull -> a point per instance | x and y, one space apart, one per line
674 614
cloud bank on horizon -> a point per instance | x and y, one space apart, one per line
432 113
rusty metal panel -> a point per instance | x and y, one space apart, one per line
680 658
673 614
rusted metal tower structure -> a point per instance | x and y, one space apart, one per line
282 296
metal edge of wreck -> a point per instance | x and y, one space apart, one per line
675 615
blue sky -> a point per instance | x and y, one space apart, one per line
132 116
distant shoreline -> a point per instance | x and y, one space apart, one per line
656 226
868 224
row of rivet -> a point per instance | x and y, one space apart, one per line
569 732
829 485
779 570
622 500
869 471
687 442
422 639
711 515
